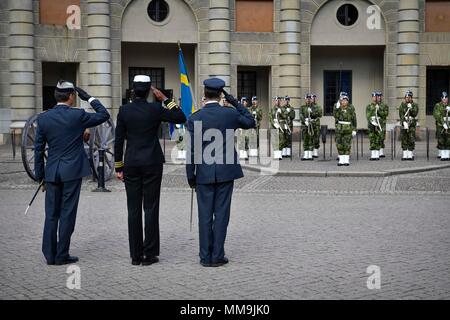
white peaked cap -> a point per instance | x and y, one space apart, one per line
141 78
64 85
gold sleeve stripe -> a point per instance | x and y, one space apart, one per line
171 105
118 164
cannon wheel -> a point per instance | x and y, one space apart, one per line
27 148
102 136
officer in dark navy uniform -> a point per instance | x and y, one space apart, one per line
62 129
212 172
138 123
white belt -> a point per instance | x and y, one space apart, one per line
345 122
446 119
409 118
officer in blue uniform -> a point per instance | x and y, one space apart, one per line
212 166
62 128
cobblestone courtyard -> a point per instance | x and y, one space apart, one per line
289 238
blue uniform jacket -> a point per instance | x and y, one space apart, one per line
62 129
215 116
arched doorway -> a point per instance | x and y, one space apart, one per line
348 42
150 33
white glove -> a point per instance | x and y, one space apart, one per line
377 107
288 109
276 124
338 104
405 125
278 110
353 133
254 113
309 110
307 122
445 126
409 105
373 121
178 126
448 108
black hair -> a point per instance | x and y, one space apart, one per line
61 96
141 93
212 94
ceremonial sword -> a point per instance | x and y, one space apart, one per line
34 196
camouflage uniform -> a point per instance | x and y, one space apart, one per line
384 114
243 136
253 140
376 114
289 116
408 112
345 119
316 126
441 114
309 115
277 123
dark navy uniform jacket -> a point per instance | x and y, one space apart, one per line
215 116
62 129
138 123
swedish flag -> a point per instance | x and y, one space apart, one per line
187 101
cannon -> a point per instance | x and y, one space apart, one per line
101 136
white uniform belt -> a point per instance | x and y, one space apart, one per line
345 122
409 118
446 119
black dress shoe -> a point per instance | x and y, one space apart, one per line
50 263
220 262
136 262
146 261
68 260
205 264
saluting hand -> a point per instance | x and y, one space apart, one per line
82 94
158 94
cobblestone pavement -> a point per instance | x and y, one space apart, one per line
289 238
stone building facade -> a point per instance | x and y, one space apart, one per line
267 48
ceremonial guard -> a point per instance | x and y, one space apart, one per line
212 173
316 126
253 139
374 115
138 123
384 114
62 129
277 124
345 119
441 114
243 135
289 116
408 112
308 115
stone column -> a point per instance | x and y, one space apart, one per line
219 40
22 77
408 49
99 50
290 62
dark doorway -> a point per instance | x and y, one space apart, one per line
438 80
334 83
52 72
255 81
